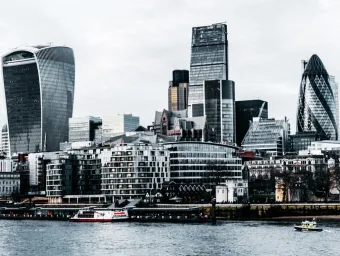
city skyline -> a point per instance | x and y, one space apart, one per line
264 58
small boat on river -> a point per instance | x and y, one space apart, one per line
99 215
308 226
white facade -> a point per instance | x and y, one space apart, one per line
36 165
34 160
81 128
195 98
5 140
113 125
231 191
335 89
325 145
9 183
7 165
134 171
64 146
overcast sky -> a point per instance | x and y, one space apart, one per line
125 51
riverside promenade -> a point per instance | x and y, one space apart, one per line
330 211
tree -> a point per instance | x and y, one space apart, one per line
286 180
335 178
323 182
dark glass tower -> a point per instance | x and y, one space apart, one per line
178 90
219 109
317 106
39 89
209 61
245 111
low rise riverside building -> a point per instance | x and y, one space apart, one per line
135 171
203 163
61 178
233 191
266 177
9 183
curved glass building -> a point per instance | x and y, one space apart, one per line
317 106
39 91
203 163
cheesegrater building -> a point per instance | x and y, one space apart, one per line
39 92
317 106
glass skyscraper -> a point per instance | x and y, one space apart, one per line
219 109
209 61
317 106
178 90
39 91
268 137
245 111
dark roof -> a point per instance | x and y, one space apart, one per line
140 129
315 66
4 128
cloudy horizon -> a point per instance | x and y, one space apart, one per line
125 52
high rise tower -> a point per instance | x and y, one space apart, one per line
178 90
246 110
39 91
209 61
219 109
317 106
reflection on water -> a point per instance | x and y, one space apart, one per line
226 238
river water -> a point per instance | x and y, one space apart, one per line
226 238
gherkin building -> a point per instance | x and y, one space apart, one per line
317 105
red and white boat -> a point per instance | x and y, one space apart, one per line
99 215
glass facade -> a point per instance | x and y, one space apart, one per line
302 140
178 97
200 163
209 61
83 128
228 111
219 107
334 86
212 93
39 88
209 54
317 106
267 136
57 74
112 125
245 111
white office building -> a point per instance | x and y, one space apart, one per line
113 125
83 128
5 140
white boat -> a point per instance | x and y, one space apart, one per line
99 215
308 226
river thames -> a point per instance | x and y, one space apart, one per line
226 238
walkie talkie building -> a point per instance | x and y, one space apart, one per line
317 106
39 92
